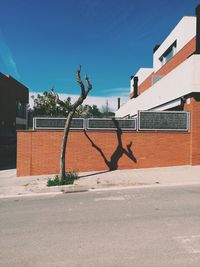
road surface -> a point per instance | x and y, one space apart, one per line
136 227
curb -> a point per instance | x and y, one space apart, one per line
67 189
54 190
154 185
63 189
31 195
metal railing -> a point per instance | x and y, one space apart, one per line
163 121
145 121
49 123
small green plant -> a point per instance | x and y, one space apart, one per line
70 177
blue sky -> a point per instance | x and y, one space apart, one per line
42 42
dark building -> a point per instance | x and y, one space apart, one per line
13 116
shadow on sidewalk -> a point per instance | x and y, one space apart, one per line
92 174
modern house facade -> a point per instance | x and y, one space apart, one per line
13 115
174 77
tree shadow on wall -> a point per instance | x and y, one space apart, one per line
118 153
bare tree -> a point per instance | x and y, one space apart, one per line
83 94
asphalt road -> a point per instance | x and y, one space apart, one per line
138 227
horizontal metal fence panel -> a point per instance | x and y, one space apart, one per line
147 121
163 120
107 124
57 123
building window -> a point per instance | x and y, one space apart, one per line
168 54
20 109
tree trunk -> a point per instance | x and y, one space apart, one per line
64 143
82 97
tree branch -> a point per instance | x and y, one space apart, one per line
79 81
84 92
89 86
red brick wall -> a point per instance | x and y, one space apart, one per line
194 107
38 152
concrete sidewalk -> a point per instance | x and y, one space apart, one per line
12 186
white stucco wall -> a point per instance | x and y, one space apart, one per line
184 31
142 74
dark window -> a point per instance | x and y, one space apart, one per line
169 53
20 109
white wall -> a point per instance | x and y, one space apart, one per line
181 81
184 31
142 74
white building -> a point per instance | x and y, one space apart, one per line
175 74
